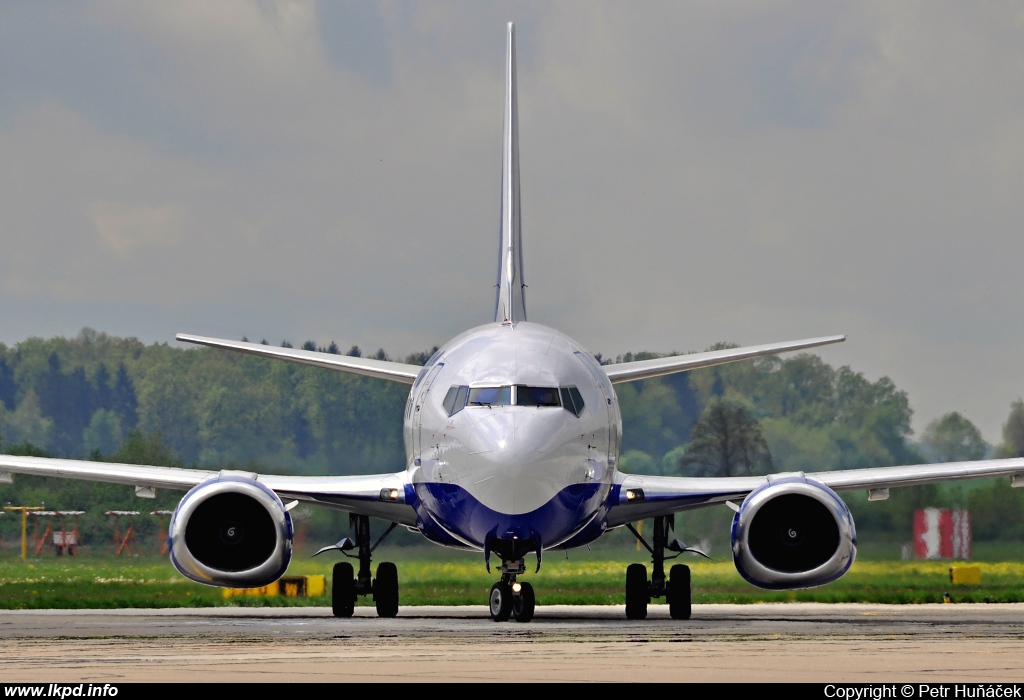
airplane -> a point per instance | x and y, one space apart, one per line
512 434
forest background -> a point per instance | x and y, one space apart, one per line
116 399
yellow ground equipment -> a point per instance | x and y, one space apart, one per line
24 526
288 586
965 574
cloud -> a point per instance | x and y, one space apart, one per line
126 227
691 173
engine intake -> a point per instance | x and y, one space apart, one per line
793 533
231 531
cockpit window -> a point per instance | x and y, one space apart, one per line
577 399
455 399
572 400
567 401
449 400
458 397
433 359
537 396
490 396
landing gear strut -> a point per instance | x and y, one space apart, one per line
675 588
347 586
510 598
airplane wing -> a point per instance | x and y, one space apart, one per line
641 496
377 495
645 369
381 369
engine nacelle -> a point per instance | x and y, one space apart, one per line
231 531
793 533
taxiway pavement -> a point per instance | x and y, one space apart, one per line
749 643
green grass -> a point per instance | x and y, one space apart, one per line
444 577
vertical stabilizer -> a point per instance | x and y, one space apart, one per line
511 304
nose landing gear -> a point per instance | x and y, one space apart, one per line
510 598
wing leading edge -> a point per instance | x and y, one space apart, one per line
664 495
380 369
646 369
376 495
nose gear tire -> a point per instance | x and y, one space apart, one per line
524 604
500 602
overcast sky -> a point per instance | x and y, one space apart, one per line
692 172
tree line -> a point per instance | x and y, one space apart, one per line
83 396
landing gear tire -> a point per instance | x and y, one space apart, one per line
343 590
501 602
679 592
524 604
385 590
638 593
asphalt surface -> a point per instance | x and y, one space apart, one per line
746 643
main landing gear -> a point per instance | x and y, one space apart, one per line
346 586
510 598
675 588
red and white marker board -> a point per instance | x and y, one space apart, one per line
942 533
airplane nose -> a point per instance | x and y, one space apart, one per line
515 461
494 432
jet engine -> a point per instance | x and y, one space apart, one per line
793 533
231 531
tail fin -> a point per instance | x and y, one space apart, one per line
511 304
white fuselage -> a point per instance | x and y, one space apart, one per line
493 449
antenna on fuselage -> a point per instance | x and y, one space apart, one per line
511 304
